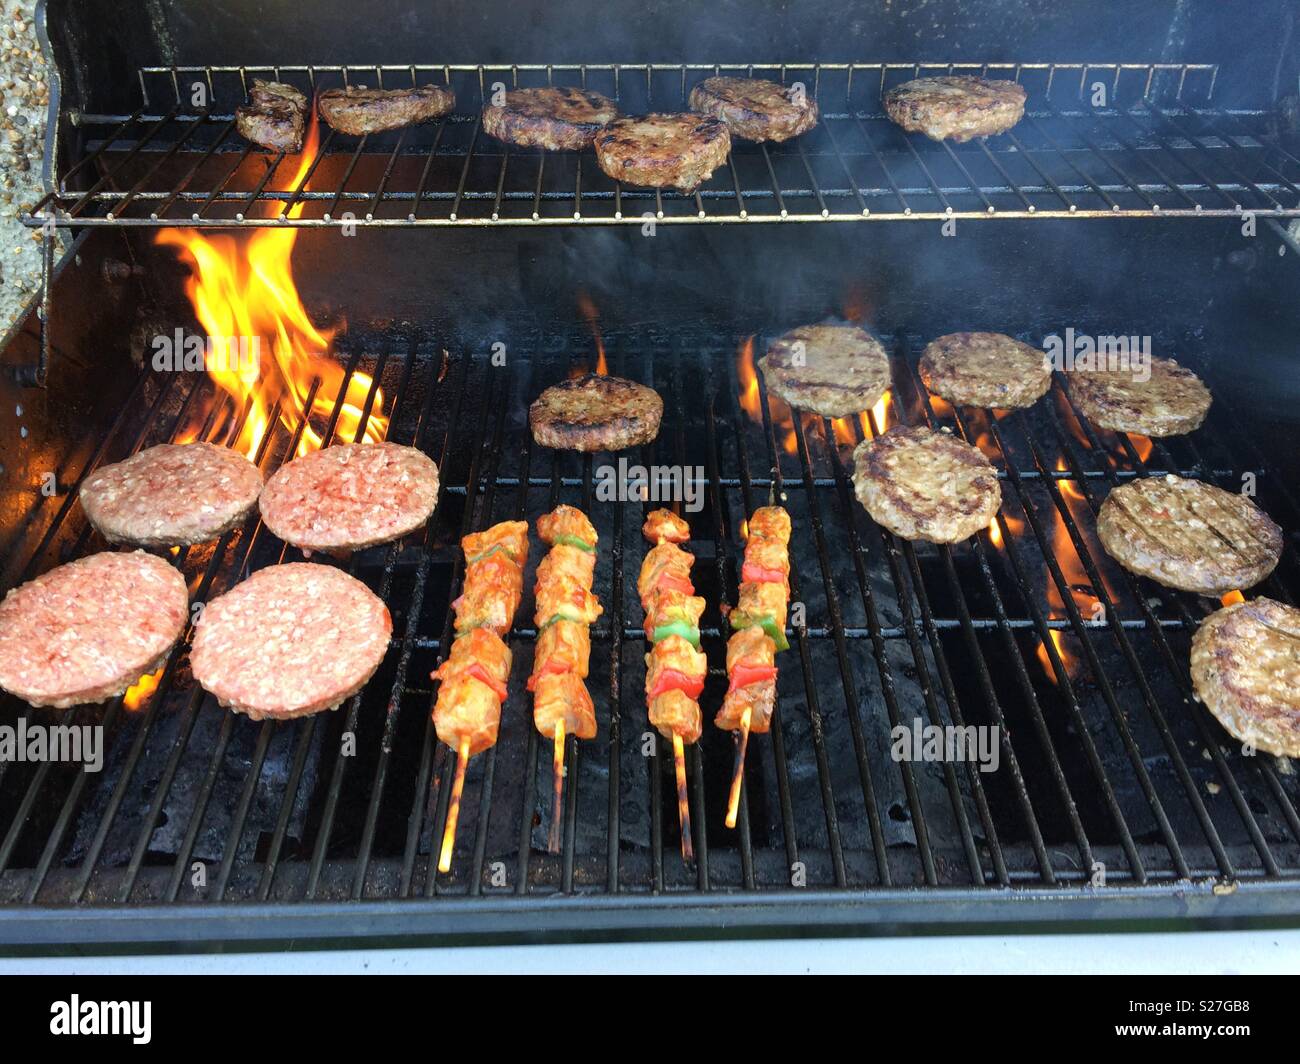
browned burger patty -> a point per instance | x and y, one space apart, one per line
755 109
985 369
1189 535
926 485
350 496
290 640
86 631
171 495
1246 669
274 117
663 150
835 370
956 107
358 110
559 119
1171 401
595 413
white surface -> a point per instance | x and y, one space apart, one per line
1191 953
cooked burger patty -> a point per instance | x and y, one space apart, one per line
956 107
290 640
171 495
663 150
595 413
1189 535
835 370
985 369
559 119
1246 669
926 485
1172 401
88 630
755 109
359 110
355 495
274 117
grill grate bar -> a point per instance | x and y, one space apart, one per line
341 761
695 760
399 684
781 763
1085 636
1108 604
1176 667
887 173
971 644
1013 560
415 817
810 689
886 678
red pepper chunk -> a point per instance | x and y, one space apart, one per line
751 573
671 582
673 680
743 675
479 673
554 665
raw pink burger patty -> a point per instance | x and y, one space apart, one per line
171 495
86 631
290 640
351 496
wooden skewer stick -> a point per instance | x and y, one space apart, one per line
453 811
738 774
683 803
555 838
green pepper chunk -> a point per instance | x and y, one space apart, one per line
494 549
565 614
567 540
740 619
687 631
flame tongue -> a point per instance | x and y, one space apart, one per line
245 298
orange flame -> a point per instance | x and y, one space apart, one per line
1044 659
138 693
844 434
1076 577
1069 488
880 412
592 316
1014 525
941 407
1232 598
1143 445
243 291
750 400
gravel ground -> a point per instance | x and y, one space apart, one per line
24 94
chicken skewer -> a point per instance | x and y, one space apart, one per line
675 667
565 610
475 674
759 623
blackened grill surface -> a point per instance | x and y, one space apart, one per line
1111 777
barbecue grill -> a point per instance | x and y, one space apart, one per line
1151 198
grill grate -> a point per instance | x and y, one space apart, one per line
1106 761
1099 140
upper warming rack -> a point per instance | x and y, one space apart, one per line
1097 140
